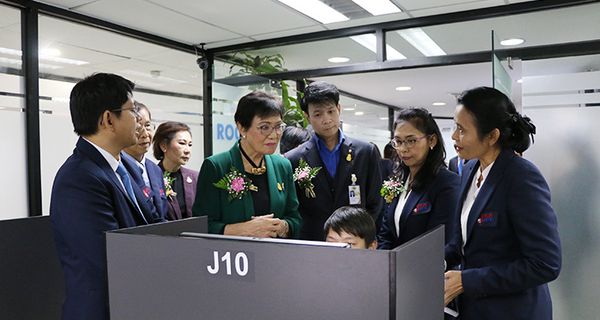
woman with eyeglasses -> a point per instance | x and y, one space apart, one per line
249 191
145 173
506 243
422 192
173 148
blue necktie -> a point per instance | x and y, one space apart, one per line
128 187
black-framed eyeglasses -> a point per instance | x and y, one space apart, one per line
266 129
135 110
409 143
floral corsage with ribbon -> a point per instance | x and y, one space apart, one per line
391 188
303 175
168 179
236 184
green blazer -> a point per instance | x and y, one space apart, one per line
214 202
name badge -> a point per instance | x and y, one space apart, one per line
354 194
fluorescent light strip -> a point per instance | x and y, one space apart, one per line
17 62
149 76
370 42
18 53
378 7
420 40
316 10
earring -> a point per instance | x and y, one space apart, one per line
243 137
431 148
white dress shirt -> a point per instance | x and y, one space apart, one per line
470 199
400 206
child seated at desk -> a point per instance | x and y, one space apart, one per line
351 225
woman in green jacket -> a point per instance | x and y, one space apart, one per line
249 191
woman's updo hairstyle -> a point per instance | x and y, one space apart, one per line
493 109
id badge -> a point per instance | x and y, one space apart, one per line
354 194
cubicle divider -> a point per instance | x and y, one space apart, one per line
154 275
31 278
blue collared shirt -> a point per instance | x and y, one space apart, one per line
330 158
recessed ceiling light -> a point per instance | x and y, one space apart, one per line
338 59
316 10
512 42
369 41
378 7
349 109
383 118
438 104
359 113
50 52
520 81
403 88
422 42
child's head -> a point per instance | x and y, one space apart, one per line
351 225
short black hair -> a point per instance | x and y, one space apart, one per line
94 95
319 92
421 119
492 109
257 103
292 137
352 220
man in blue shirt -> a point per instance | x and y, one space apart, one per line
350 173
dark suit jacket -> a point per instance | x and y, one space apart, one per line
453 164
332 194
425 209
87 200
215 203
512 248
190 181
153 198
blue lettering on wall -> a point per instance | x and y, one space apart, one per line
227 132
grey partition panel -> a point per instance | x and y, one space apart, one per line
419 266
171 228
31 279
153 277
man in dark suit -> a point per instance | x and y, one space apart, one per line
350 169
456 165
147 175
92 191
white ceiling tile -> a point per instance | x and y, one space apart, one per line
243 17
410 5
157 20
67 3
369 20
229 42
455 7
291 32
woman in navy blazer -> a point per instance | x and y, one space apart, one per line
430 189
506 242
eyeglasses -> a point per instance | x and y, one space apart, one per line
409 143
148 126
135 110
266 129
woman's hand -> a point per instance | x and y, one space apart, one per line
261 226
452 286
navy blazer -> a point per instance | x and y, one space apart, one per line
151 198
332 193
87 200
425 209
512 249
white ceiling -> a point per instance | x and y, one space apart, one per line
225 22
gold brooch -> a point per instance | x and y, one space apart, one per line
280 186
349 156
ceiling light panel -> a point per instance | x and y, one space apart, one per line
378 7
316 10
422 42
369 41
